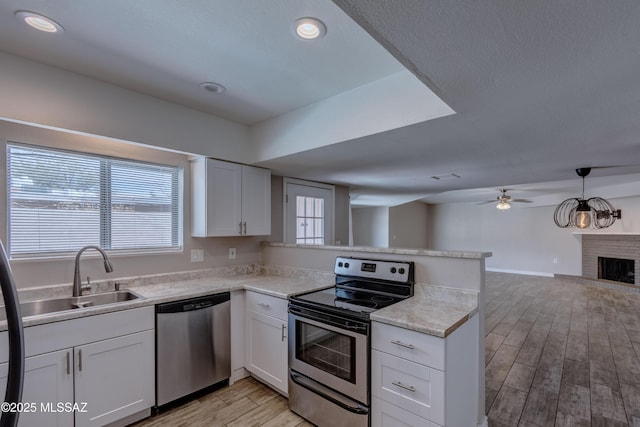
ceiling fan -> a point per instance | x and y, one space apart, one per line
504 201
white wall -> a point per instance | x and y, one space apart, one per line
30 273
370 226
522 239
35 93
349 115
402 226
408 225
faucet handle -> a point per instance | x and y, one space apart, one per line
86 287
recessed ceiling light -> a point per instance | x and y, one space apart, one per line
309 28
39 22
213 87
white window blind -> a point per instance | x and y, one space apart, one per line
60 201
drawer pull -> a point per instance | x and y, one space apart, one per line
80 360
410 388
401 344
68 363
264 305
283 334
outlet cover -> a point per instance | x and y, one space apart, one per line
232 253
197 255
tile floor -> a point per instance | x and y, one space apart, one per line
557 353
247 403
561 353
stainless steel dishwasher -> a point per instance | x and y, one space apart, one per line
193 345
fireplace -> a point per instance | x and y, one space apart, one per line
616 269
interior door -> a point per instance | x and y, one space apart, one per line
309 214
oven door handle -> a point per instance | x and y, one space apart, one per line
325 392
358 327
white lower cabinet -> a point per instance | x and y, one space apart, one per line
384 413
48 379
106 372
421 380
266 339
115 377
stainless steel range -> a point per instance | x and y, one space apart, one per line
329 340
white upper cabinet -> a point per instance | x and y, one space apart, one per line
229 199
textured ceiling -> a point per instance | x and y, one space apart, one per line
539 88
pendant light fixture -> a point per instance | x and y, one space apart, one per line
582 213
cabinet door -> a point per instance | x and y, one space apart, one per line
216 198
266 349
116 377
256 201
48 381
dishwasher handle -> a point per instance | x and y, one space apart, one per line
193 304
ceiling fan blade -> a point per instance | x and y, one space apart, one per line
521 201
487 202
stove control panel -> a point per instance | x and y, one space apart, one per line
396 271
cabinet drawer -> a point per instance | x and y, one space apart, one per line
415 346
384 414
413 387
266 304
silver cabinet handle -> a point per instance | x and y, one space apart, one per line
245 227
264 305
401 344
80 360
406 387
68 363
283 335
240 228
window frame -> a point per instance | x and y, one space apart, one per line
105 214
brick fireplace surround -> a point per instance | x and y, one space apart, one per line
626 246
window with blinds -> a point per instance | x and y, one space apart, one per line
60 201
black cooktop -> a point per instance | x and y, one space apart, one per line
347 299
362 287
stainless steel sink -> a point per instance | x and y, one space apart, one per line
38 308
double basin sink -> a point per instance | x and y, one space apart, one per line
53 305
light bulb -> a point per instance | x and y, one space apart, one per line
583 219
503 206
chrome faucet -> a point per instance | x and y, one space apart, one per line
77 281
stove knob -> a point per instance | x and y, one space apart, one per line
346 265
340 264
401 271
393 270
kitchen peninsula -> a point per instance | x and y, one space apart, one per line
447 305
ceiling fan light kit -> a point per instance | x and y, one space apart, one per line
504 201
502 205
582 213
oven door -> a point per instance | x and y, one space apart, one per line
330 350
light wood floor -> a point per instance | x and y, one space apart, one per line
561 353
247 403
557 353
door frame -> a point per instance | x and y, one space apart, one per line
331 215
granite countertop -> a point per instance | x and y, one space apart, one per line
433 310
182 286
401 251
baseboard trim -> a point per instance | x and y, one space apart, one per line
523 272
